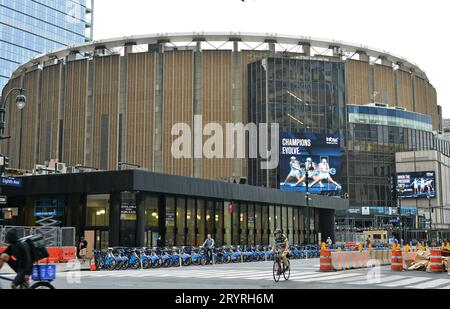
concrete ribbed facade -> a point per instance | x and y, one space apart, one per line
117 100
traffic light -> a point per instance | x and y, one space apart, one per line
6 162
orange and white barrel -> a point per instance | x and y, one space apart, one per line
325 260
397 260
436 260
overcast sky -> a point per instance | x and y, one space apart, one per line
414 29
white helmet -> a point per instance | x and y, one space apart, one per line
293 158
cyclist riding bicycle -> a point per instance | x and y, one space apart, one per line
281 245
23 263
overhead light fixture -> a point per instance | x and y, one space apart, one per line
290 116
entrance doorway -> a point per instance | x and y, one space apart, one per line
151 238
101 239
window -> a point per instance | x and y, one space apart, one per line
210 218
200 222
170 221
251 224
181 219
190 219
258 224
243 223
151 211
218 221
97 210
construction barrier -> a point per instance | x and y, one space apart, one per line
436 260
408 258
397 260
325 260
68 254
342 260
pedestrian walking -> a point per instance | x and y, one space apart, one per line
209 246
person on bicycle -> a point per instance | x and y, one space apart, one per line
281 244
23 263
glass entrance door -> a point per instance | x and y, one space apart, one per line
101 239
151 238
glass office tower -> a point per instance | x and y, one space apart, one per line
29 28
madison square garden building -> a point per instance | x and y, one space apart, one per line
110 103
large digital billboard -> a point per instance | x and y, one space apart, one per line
416 185
310 161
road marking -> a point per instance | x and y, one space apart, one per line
329 277
382 280
430 284
445 287
308 275
405 282
360 277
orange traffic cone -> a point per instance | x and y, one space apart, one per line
93 267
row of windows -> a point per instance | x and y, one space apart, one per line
68 33
56 12
188 221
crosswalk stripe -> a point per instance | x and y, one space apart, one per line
430 284
309 275
327 277
405 282
382 280
347 280
445 287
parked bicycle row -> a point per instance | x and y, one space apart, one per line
136 258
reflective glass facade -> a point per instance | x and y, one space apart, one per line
389 117
303 95
309 95
370 157
28 28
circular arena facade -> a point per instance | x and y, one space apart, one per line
110 101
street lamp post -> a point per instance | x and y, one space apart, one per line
21 101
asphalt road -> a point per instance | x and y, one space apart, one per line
305 274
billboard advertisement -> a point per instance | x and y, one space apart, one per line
416 185
310 162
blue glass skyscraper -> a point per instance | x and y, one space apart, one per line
31 27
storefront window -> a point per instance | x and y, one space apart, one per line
200 217
278 218
236 224
251 224
258 225
170 221
97 210
151 211
285 219
181 219
265 224
210 218
227 211
218 222
290 217
243 222
271 222
190 219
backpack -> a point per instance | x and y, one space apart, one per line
38 250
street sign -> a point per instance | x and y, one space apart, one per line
3 200
11 182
